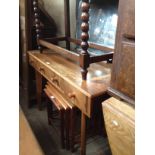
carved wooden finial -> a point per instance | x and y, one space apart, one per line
84 55
37 23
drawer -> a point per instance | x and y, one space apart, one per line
120 130
75 96
44 70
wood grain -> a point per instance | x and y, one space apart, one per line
123 69
28 143
120 126
67 78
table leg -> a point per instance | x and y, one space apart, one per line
72 128
67 128
62 128
83 134
39 88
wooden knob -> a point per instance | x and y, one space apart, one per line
71 95
54 79
42 70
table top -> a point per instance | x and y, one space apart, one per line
98 77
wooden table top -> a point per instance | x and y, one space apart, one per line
98 77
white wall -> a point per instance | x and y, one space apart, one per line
56 9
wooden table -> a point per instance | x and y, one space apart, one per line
65 76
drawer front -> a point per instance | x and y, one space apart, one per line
76 97
120 131
72 93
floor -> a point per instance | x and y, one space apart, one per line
48 136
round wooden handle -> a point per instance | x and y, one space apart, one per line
71 95
54 79
42 70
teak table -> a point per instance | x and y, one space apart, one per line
65 76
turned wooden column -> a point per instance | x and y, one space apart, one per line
67 22
37 23
84 56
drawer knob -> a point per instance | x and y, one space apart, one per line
54 79
114 122
42 70
71 95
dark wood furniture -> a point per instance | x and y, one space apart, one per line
123 69
83 57
119 120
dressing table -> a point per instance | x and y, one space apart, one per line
82 77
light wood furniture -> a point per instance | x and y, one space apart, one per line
66 110
65 76
28 143
122 83
120 126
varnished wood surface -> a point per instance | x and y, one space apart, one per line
66 77
27 141
71 55
98 75
120 125
123 68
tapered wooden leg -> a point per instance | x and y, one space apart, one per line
83 134
67 129
39 89
62 128
72 120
